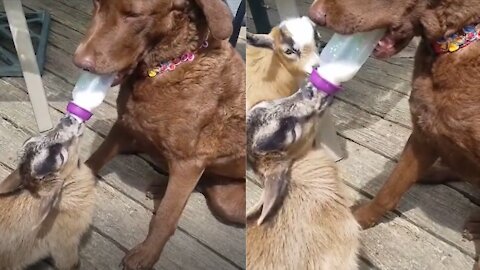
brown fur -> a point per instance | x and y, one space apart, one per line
47 221
271 74
445 100
191 120
302 220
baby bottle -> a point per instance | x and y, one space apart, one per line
343 56
88 93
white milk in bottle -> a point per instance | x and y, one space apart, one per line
88 93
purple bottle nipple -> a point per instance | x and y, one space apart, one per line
323 85
74 109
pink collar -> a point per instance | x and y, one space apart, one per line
167 66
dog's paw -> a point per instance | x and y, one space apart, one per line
141 257
156 191
472 230
365 215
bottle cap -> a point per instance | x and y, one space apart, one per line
78 111
323 85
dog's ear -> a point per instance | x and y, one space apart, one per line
218 18
260 40
48 200
11 183
275 186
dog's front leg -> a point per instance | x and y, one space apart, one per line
118 141
416 158
184 176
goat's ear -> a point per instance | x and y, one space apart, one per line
275 186
11 183
260 40
48 200
218 18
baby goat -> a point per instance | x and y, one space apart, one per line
302 220
278 63
47 203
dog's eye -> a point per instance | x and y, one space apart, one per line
289 51
133 15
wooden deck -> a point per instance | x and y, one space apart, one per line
373 122
123 212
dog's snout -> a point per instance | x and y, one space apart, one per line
317 14
84 61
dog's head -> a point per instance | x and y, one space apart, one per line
295 41
123 31
403 19
278 132
45 161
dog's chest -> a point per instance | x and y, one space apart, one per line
170 117
448 116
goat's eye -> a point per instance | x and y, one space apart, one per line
289 51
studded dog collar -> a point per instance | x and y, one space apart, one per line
454 42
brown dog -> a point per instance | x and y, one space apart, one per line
445 99
191 119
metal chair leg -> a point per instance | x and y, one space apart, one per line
237 23
28 61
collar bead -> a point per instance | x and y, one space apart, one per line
454 42
171 65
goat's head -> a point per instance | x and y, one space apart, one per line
278 132
45 161
295 41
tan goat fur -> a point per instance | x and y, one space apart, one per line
314 227
29 233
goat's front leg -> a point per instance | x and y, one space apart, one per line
184 176
416 158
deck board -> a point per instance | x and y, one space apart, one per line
373 122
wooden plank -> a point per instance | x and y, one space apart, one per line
371 131
132 175
100 253
67 15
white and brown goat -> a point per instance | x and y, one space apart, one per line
302 220
47 203
277 63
